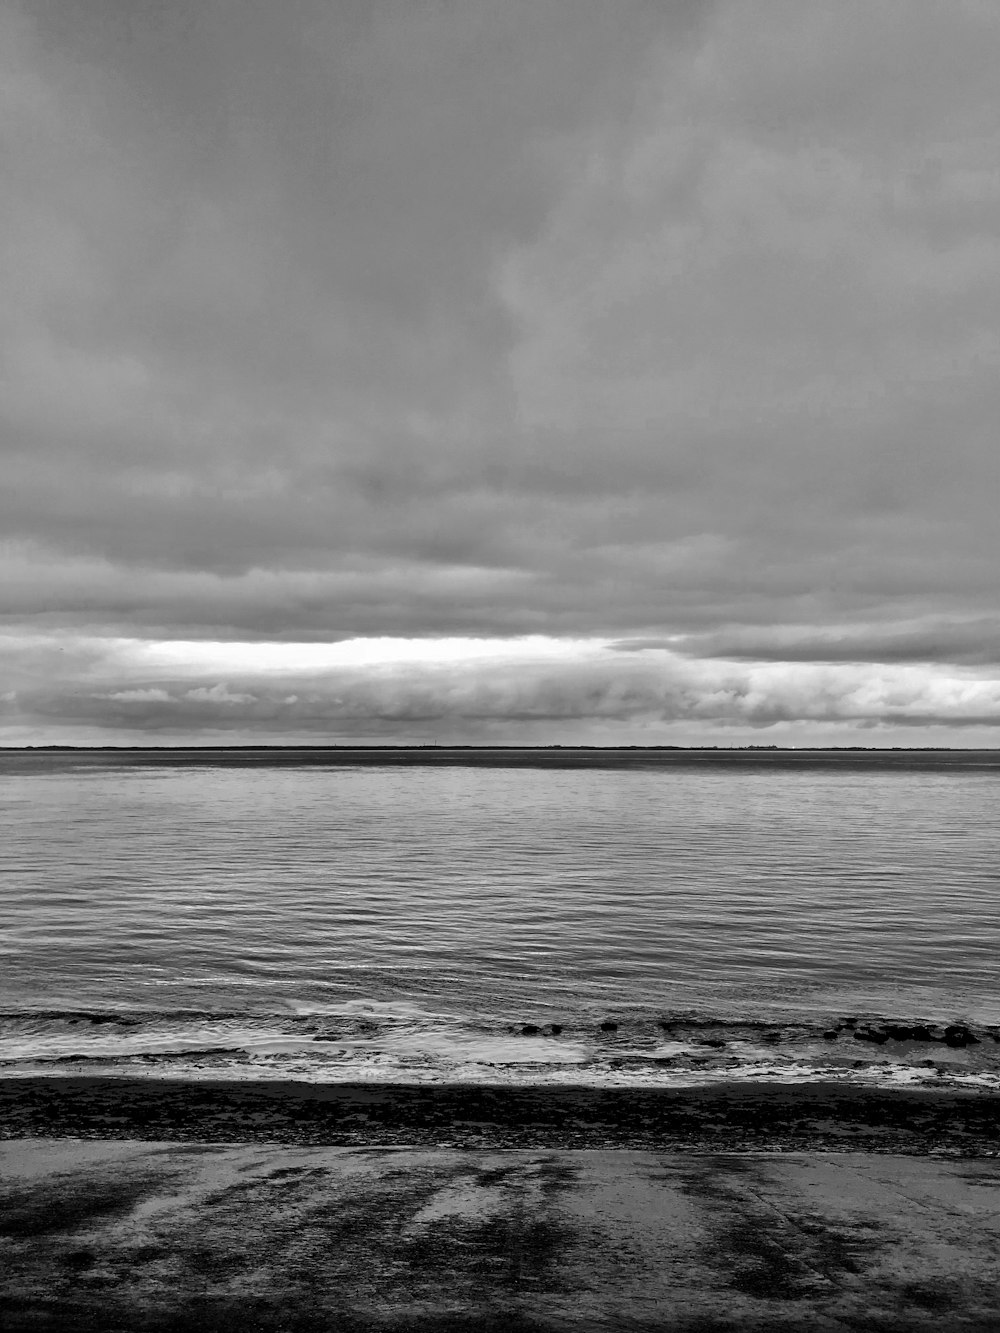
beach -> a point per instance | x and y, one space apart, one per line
130 1204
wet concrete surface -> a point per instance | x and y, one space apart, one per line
131 1235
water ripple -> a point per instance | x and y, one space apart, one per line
500 889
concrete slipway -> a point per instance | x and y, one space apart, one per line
163 1236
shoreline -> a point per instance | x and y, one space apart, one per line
722 1116
48 758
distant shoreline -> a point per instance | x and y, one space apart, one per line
22 758
588 749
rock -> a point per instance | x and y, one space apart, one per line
609 1025
899 1031
848 1022
875 1035
831 1034
921 1032
712 1041
555 1029
955 1034
772 1038
530 1030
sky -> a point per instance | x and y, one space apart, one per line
550 371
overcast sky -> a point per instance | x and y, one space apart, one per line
501 370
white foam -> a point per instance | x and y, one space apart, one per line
389 1067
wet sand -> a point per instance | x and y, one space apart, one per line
722 1116
134 1235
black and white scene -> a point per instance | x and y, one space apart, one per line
499 666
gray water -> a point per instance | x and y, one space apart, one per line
183 904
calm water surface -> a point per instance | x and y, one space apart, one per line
487 895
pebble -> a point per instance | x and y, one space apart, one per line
875 1035
955 1034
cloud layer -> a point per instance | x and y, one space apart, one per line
528 691
630 323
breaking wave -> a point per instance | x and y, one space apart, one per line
362 1041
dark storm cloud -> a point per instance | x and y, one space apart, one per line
638 320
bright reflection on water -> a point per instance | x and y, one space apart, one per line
489 889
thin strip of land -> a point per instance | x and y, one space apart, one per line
494 756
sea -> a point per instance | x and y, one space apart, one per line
501 916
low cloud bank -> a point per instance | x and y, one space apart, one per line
66 687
